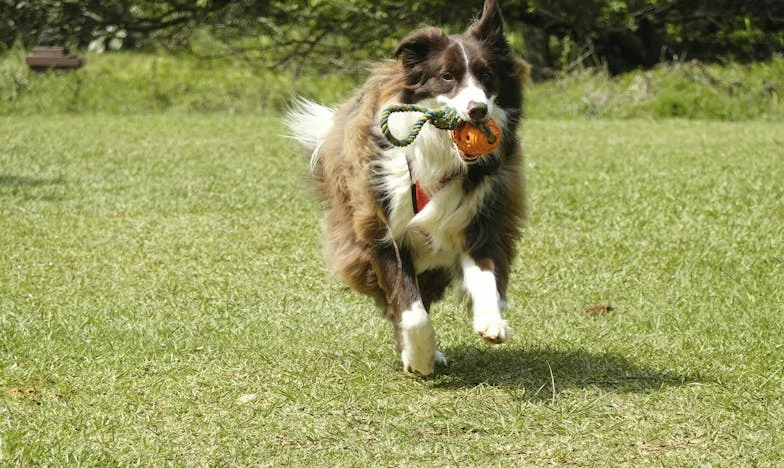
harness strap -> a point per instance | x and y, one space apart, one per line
419 198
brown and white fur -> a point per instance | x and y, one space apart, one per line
373 239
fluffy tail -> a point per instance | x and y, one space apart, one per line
309 123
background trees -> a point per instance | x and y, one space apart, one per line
617 34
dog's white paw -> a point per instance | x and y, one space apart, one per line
441 359
417 342
418 364
493 331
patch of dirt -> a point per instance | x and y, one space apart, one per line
598 309
30 392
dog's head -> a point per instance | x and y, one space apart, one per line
475 72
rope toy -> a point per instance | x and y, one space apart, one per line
473 140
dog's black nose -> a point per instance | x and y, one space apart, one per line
477 110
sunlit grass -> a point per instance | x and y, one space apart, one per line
163 300
138 83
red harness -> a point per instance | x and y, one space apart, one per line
420 199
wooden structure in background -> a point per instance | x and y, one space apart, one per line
45 58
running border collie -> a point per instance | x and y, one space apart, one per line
400 224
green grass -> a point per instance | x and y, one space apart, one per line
141 83
691 90
163 301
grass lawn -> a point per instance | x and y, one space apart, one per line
163 301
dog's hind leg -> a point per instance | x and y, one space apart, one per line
414 332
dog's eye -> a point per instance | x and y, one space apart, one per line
485 76
448 76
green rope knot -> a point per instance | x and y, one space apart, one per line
445 119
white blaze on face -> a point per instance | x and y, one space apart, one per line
469 92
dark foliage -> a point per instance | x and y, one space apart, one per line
556 34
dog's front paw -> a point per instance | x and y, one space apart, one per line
423 366
441 359
418 363
418 343
493 331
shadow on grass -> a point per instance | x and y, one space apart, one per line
545 372
30 188
22 181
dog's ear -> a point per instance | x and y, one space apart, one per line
416 47
490 26
522 70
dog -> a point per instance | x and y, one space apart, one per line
400 224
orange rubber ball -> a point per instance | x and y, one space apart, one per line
473 142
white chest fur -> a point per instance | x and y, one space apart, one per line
436 235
